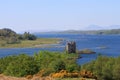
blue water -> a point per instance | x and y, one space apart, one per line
94 42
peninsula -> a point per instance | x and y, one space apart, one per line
10 39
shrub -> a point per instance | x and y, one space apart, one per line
73 67
105 68
59 65
28 36
23 65
12 40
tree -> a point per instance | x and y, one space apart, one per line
28 36
7 32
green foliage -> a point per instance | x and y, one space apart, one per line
59 65
5 61
22 65
28 36
105 68
7 32
12 37
54 61
73 67
20 37
116 72
9 36
12 40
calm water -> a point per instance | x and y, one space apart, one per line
108 45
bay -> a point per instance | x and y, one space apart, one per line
107 45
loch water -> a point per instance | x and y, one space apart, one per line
107 45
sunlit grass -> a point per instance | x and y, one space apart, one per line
30 43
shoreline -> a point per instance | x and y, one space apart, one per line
39 43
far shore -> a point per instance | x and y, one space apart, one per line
40 42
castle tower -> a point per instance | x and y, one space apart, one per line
71 47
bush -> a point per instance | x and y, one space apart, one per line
50 62
5 61
105 68
72 67
59 65
23 65
28 36
54 61
12 40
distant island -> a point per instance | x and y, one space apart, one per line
91 32
111 31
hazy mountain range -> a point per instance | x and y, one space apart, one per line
97 27
93 29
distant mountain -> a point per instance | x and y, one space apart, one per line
94 27
97 27
111 31
91 29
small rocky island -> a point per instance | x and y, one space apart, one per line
71 48
86 51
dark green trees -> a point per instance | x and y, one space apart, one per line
12 37
9 36
7 32
28 36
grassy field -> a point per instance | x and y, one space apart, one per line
40 42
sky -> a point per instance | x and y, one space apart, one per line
56 15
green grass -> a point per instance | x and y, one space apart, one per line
40 42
